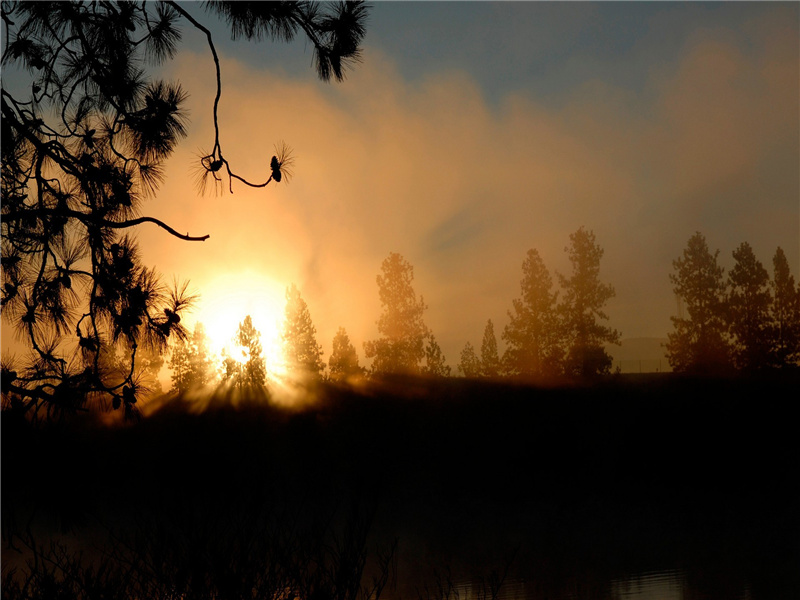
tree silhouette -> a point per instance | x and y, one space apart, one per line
190 361
302 354
785 313
83 146
343 363
245 367
533 336
470 364
435 363
490 359
748 310
401 347
698 342
584 299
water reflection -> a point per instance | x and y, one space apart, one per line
668 584
660 585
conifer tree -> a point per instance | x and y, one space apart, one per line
748 311
435 364
246 367
401 346
470 364
343 363
301 352
190 361
784 313
533 336
699 341
583 304
490 359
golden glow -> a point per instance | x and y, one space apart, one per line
228 299
240 354
365 182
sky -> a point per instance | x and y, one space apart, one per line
473 132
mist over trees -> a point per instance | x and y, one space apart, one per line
435 363
343 363
740 322
191 363
469 365
301 353
547 338
84 140
403 332
743 321
534 339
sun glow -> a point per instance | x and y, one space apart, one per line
227 300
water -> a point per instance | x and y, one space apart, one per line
661 585
670 584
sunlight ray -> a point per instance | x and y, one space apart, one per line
228 299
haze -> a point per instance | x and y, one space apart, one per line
471 133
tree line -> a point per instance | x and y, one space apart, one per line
546 336
744 322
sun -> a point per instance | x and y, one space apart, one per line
225 302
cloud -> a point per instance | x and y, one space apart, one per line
462 188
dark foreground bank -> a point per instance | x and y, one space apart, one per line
439 486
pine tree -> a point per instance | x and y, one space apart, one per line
401 346
435 364
699 342
343 363
748 310
470 364
785 313
490 359
584 300
246 368
533 336
190 361
301 352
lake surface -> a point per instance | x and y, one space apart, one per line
658 585
661 585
